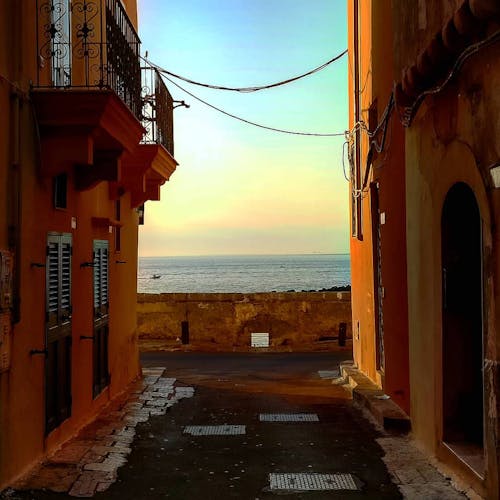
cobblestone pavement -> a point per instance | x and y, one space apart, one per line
254 423
414 475
89 463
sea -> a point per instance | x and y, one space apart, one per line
243 273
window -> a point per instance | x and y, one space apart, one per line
58 330
61 191
118 235
59 252
140 213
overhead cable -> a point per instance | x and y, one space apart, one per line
246 89
407 115
373 145
244 120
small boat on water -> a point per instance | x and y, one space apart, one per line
156 276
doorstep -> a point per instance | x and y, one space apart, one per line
390 416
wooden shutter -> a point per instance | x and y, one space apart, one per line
101 278
58 280
101 306
58 340
65 291
52 281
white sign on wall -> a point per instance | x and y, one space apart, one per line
260 339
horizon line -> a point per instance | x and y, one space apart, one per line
245 255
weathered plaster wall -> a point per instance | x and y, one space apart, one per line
223 321
454 138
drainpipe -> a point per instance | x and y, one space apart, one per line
357 118
14 184
14 201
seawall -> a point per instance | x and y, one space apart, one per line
225 321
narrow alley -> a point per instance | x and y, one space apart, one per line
277 424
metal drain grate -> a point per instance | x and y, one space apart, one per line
312 482
288 417
214 430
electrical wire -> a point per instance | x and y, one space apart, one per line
406 117
409 113
14 85
346 177
246 89
373 145
244 120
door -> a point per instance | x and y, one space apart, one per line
377 275
101 316
462 324
58 330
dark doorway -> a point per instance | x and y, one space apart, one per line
377 275
185 332
461 253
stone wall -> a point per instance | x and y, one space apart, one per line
225 321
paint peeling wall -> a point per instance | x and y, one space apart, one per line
455 137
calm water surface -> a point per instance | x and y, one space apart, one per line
257 273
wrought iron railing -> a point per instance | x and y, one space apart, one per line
157 110
89 43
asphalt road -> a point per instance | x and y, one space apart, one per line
233 389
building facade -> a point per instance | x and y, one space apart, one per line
85 139
425 157
378 217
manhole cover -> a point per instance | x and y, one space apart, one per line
214 430
288 417
312 482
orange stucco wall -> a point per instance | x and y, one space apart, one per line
387 169
22 403
454 137
361 256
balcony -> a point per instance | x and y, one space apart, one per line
158 108
157 146
100 114
88 44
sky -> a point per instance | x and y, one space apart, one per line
240 189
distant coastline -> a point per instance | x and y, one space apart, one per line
344 288
239 255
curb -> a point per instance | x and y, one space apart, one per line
389 415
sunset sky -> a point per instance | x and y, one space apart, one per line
240 189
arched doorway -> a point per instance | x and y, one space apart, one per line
462 326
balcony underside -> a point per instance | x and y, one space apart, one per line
94 134
144 171
86 130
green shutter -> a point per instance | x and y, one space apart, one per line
101 278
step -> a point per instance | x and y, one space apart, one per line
372 397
